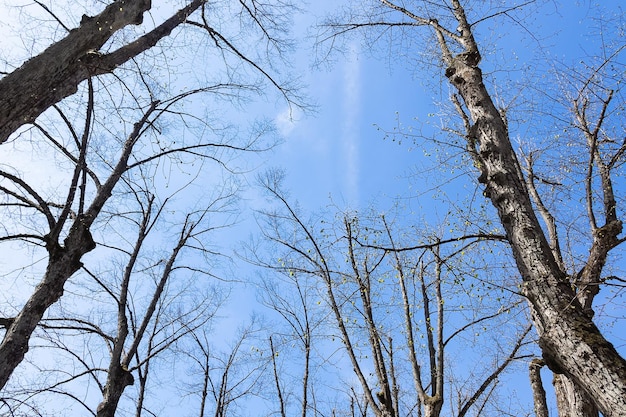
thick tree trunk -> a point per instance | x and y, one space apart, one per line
433 406
570 341
56 73
572 400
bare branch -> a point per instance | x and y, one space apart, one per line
51 13
495 374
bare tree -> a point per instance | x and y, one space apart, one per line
57 72
107 119
194 316
559 296
68 237
296 330
382 296
127 321
293 298
229 374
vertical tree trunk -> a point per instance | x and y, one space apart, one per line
571 400
117 381
539 393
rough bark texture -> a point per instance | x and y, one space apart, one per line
56 72
571 401
539 393
571 344
570 341
118 379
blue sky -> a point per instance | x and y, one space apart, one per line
338 151
336 155
338 147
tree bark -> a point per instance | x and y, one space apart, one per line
539 393
570 341
571 401
117 381
63 262
56 73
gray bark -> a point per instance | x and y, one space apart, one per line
539 393
571 400
56 73
570 341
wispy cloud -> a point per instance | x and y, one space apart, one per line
286 121
350 126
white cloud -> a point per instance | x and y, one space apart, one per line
350 126
286 121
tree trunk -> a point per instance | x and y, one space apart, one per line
570 341
571 400
62 264
56 73
118 379
433 406
539 393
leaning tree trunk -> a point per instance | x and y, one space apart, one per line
571 343
571 399
56 73
63 261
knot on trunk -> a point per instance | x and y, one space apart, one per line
549 358
467 59
80 236
609 231
133 13
127 377
470 58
